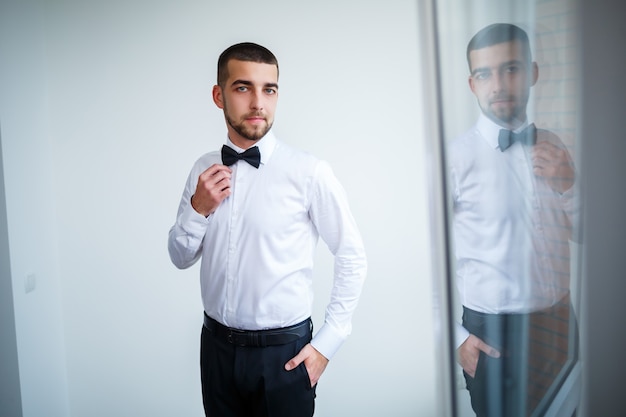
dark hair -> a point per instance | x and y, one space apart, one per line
495 34
245 51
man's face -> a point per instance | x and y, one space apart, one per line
248 98
500 77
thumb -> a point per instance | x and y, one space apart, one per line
294 362
490 351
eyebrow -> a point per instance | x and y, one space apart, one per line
250 83
482 69
504 64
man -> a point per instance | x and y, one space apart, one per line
513 207
253 213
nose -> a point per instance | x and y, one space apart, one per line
497 82
256 101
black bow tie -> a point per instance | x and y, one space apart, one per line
251 156
527 136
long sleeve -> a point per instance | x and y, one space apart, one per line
333 219
256 251
187 233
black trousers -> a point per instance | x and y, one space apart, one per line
535 350
243 381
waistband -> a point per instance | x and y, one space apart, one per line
562 311
259 338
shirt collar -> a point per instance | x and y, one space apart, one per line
266 145
490 130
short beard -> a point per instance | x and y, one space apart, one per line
250 134
509 118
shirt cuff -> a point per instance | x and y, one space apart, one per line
460 335
327 341
193 222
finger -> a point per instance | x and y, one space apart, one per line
212 189
220 180
551 152
217 167
215 173
222 184
545 144
295 362
489 351
544 156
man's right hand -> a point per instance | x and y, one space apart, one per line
213 187
469 351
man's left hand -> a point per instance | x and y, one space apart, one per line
314 362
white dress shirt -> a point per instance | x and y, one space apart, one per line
511 230
257 248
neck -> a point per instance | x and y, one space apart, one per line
241 141
510 124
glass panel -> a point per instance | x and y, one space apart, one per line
509 98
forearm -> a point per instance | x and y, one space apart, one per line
331 214
349 276
186 236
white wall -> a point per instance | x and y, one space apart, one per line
127 86
30 209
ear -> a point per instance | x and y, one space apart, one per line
218 97
535 73
470 81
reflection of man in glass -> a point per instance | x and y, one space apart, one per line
512 187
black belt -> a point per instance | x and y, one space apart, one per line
259 338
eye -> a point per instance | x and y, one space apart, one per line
482 75
242 88
512 69
270 91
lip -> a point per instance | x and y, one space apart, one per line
256 120
502 101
